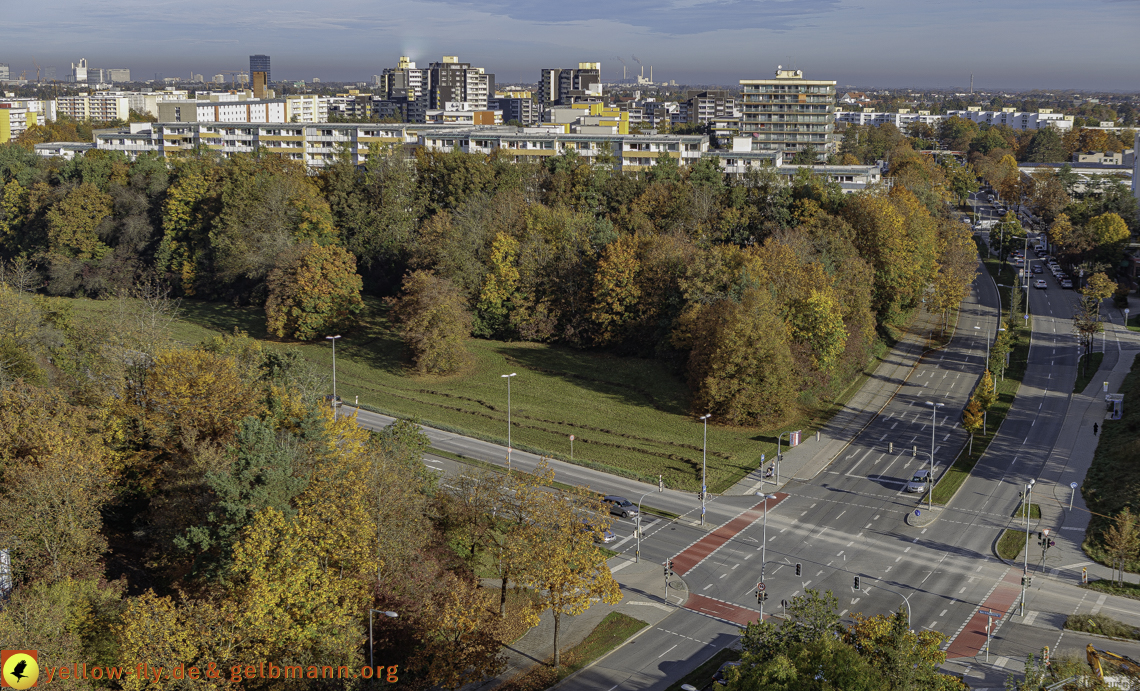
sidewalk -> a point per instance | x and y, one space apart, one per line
806 460
642 597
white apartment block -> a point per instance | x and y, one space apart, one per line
1016 119
118 74
44 110
902 119
251 110
306 108
97 108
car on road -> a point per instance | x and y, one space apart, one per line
604 536
722 673
1040 283
920 481
620 506
1037 268
1066 283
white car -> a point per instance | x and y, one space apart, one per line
1040 283
1066 283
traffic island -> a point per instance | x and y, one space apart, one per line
921 516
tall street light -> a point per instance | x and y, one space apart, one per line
333 339
508 378
933 429
704 454
1025 569
764 546
392 615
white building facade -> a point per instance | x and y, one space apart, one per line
1018 120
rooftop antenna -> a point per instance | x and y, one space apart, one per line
971 83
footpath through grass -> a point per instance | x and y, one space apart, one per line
1113 478
611 632
629 416
1006 386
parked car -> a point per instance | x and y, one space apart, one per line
1040 283
1066 283
719 677
620 506
919 482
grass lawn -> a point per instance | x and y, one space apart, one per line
1103 625
1010 544
1007 387
610 632
629 416
1034 511
1083 378
1131 590
1113 479
702 676
1133 323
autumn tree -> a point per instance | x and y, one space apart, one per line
956 267
434 323
73 223
985 392
462 635
905 660
1122 540
500 286
740 364
570 573
972 417
314 292
616 290
54 483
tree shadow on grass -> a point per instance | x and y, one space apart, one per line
224 317
627 379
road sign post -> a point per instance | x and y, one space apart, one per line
1072 495
571 448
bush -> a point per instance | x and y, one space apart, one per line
1103 625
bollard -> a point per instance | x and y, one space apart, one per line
890 447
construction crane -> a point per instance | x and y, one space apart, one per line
37 69
235 74
1095 656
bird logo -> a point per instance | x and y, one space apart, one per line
19 669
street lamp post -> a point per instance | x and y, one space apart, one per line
637 554
933 429
764 547
779 453
704 454
392 615
1025 569
508 378
333 339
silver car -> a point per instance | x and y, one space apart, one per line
620 506
920 482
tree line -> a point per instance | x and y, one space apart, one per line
684 264
193 505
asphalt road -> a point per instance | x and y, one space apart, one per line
848 520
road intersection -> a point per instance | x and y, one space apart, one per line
845 518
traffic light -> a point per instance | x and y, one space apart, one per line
765 596
666 566
857 583
799 569
669 568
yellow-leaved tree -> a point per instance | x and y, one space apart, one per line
567 570
314 292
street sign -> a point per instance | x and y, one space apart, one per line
1072 485
759 587
571 437
917 512
1046 531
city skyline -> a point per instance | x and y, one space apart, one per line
884 43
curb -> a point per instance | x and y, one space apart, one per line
927 518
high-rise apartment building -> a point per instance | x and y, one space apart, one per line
79 70
118 74
4 73
706 106
402 81
788 113
565 87
451 81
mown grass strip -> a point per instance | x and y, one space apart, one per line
1092 365
458 458
610 632
1130 590
1007 387
1034 511
1103 625
1010 544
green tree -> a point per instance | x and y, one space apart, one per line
1122 540
73 223
904 660
314 292
1047 147
434 323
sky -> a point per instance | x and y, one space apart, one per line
1005 44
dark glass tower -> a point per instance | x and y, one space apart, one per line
259 63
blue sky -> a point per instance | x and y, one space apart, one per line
1014 44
